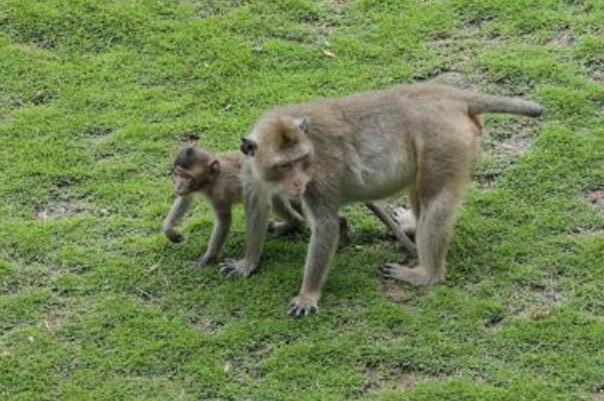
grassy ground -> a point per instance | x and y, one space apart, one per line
96 96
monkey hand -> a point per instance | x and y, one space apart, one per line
304 305
174 236
202 262
241 267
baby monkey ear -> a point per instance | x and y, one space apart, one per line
303 124
248 146
214 167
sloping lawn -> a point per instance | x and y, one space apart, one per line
95 304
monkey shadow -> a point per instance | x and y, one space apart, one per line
363 235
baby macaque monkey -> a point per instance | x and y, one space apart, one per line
218 179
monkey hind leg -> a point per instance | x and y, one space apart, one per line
432 238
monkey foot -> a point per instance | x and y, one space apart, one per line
304 305
202 262
416 276
232 268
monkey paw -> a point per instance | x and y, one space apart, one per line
232 268
202 262
416 276
304 305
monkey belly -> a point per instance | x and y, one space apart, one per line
377 185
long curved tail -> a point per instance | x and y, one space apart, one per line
479 103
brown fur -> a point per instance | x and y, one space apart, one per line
217 179
365 147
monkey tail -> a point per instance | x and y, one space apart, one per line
480 103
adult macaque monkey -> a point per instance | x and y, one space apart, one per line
218 179
423 138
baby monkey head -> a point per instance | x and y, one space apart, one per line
194 169
282 153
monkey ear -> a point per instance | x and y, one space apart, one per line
303 124
214 167
248 146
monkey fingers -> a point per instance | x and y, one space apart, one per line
232 268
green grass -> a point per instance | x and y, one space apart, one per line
95 304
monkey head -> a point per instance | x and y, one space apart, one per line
282 154
194 169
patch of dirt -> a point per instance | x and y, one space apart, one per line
189 138
596 200
563 38
589 233
486 180
43 43
335 3
374 381
401 382
105 157
494 321
598 392
54 321
98 131
544 300
260 351
503 143
514 146
61 209
41 98
396 292
208 8
205 325
405 381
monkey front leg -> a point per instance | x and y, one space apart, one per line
222 225
257 208
323 242
179 207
